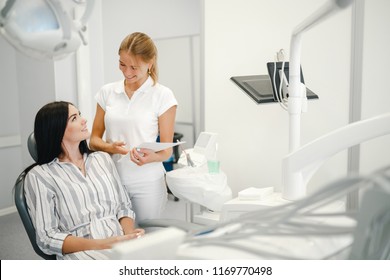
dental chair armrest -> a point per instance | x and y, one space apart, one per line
186 226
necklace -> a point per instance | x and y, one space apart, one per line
80 167
79 164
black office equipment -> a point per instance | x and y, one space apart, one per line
260 88
279 66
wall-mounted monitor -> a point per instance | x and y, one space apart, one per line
260 88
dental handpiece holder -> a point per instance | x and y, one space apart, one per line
197 185
202 182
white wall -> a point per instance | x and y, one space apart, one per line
240 37
159 19
376 92
9 123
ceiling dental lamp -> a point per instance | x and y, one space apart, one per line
45 29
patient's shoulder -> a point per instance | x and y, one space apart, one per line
40 173
38 170
101 155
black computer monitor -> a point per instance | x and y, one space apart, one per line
260 88
257 87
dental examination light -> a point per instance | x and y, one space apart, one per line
293 188
44 29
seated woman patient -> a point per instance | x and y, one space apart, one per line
75 198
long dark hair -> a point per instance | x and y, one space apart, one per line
49 129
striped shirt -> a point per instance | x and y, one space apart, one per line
62 201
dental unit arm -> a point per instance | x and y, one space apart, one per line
293 185
300 165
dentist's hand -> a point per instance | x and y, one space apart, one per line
119 147
142 156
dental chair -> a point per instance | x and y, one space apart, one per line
21 205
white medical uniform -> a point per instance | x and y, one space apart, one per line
135 121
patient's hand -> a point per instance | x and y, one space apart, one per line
107 243
138 232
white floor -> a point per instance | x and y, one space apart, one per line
175 209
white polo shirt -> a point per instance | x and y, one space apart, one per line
134 121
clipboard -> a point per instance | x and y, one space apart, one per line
158 146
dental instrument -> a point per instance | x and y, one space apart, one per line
204 189
188 157
312 224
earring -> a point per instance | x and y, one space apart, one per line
149 72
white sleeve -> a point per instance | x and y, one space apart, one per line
100 98
167 100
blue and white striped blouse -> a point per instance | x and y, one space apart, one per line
62 201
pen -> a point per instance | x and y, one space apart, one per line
139 152
189 160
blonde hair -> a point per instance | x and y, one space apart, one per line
141 45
